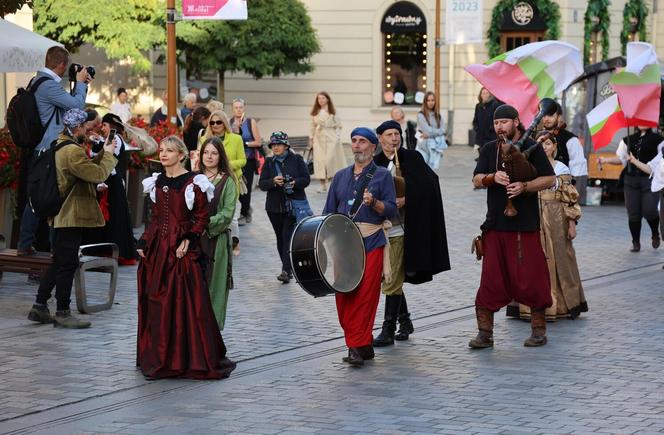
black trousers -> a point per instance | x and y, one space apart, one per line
283 225
245 200
641 203
66 243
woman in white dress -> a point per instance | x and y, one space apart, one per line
325 140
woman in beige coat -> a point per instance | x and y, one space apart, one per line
325 140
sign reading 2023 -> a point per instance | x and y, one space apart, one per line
465 5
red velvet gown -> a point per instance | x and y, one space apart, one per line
178 335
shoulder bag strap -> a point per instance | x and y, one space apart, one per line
360 191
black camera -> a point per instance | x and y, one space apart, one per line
289 182
75 68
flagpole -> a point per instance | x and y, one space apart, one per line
436 82
171 62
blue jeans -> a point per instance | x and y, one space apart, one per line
29 226
29 221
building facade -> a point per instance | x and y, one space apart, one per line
378 52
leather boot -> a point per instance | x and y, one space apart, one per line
484 337
386 336
405 325
538 327
354 358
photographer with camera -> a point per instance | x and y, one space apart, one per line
284 177
52 101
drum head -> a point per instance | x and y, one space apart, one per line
340 253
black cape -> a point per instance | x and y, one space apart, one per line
425 239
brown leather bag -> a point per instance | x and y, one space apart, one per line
477 247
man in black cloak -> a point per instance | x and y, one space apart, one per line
418 242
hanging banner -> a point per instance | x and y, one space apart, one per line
214 9
463 21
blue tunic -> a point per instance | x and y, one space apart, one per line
342 193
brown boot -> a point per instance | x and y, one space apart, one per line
538 326
484 338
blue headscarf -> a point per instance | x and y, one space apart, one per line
366 133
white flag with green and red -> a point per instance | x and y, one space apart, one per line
639 86
604 121
525 75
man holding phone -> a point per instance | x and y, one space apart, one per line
78 177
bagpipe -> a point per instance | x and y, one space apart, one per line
514 161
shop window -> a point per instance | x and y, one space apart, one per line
405 49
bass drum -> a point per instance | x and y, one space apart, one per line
327 254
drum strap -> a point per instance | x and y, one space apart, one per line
360 190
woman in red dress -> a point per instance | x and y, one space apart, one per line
178 335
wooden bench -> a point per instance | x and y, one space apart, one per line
40 262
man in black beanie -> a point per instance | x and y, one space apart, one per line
418 244
514 266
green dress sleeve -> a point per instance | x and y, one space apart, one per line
221 220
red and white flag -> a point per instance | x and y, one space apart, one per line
604 121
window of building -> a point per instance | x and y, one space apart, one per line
405 49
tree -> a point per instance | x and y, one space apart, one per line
11 6
276 39
124 29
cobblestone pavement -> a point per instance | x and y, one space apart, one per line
600 373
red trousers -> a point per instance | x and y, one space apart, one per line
514 268
357 309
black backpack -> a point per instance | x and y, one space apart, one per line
43 195
23 118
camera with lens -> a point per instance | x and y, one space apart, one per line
75 68
289 183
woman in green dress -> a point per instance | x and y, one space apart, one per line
216 240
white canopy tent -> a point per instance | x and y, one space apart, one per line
20 49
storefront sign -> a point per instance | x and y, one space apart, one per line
403 17
463 22
214 9
524 16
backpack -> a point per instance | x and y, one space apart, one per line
23 118
43 193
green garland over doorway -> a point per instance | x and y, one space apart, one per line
549 11
633 9
599 9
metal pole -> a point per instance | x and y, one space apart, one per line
450 110
436 82
171 71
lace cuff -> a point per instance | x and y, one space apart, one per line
204 184
149 186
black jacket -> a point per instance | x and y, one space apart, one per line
275 200
425 237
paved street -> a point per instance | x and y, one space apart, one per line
601 373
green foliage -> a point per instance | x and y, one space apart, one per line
633 9
124 28
548 10
276 39
11 6
599 9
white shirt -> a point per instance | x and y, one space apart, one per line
397 227
50 72
578 165
123 110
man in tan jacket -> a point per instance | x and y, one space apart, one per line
77 179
